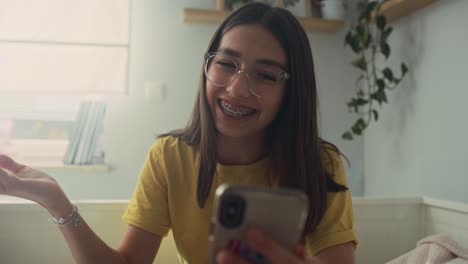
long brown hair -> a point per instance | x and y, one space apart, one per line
293 137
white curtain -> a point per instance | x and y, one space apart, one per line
64 46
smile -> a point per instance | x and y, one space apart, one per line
236 112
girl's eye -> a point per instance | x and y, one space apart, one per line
266 76
226 64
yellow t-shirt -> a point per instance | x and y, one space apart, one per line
165 198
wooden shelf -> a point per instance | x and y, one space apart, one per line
206 16
394 9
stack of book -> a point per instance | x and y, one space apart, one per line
84 147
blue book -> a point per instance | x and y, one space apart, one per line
84 142
97 130
77 133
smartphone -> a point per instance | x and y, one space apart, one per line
279 212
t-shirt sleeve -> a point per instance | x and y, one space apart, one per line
337 224
148 208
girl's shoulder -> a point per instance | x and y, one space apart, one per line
172 147
167 141
332 162
329 153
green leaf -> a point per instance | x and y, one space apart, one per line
380 83
371 5
352 107
379 96
366 13
356 46
360 63
386 33
385 48
381 22
355 103
404 69
384 96
353 42
361 123
360 30
376 115
347 135
348 38
360 101
388 74
358 126
356 130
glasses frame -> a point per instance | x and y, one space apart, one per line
284 75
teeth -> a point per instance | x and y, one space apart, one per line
233 111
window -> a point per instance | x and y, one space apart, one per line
53 55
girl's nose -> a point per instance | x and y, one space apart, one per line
239 87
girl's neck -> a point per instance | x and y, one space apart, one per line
240 151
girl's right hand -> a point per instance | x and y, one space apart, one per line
24 182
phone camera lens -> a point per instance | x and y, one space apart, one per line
232 211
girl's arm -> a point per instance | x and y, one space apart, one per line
343 254
17 180
138 246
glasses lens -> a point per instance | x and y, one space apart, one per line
264 78
220 69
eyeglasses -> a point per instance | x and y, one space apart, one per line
221 70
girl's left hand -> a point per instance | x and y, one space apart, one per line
262 243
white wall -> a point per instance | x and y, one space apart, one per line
420 145
164 49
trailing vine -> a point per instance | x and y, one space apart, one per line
368 39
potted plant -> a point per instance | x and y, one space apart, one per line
234 4
286 3
368 39
332 9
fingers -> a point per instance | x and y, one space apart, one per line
226 257
7 182
3 173
9 164
19 170
274 252
266 246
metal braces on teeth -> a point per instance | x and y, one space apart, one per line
234 112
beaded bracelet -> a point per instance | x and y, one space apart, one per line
72 217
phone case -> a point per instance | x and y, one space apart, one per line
279 212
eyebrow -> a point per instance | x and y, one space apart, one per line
237 54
